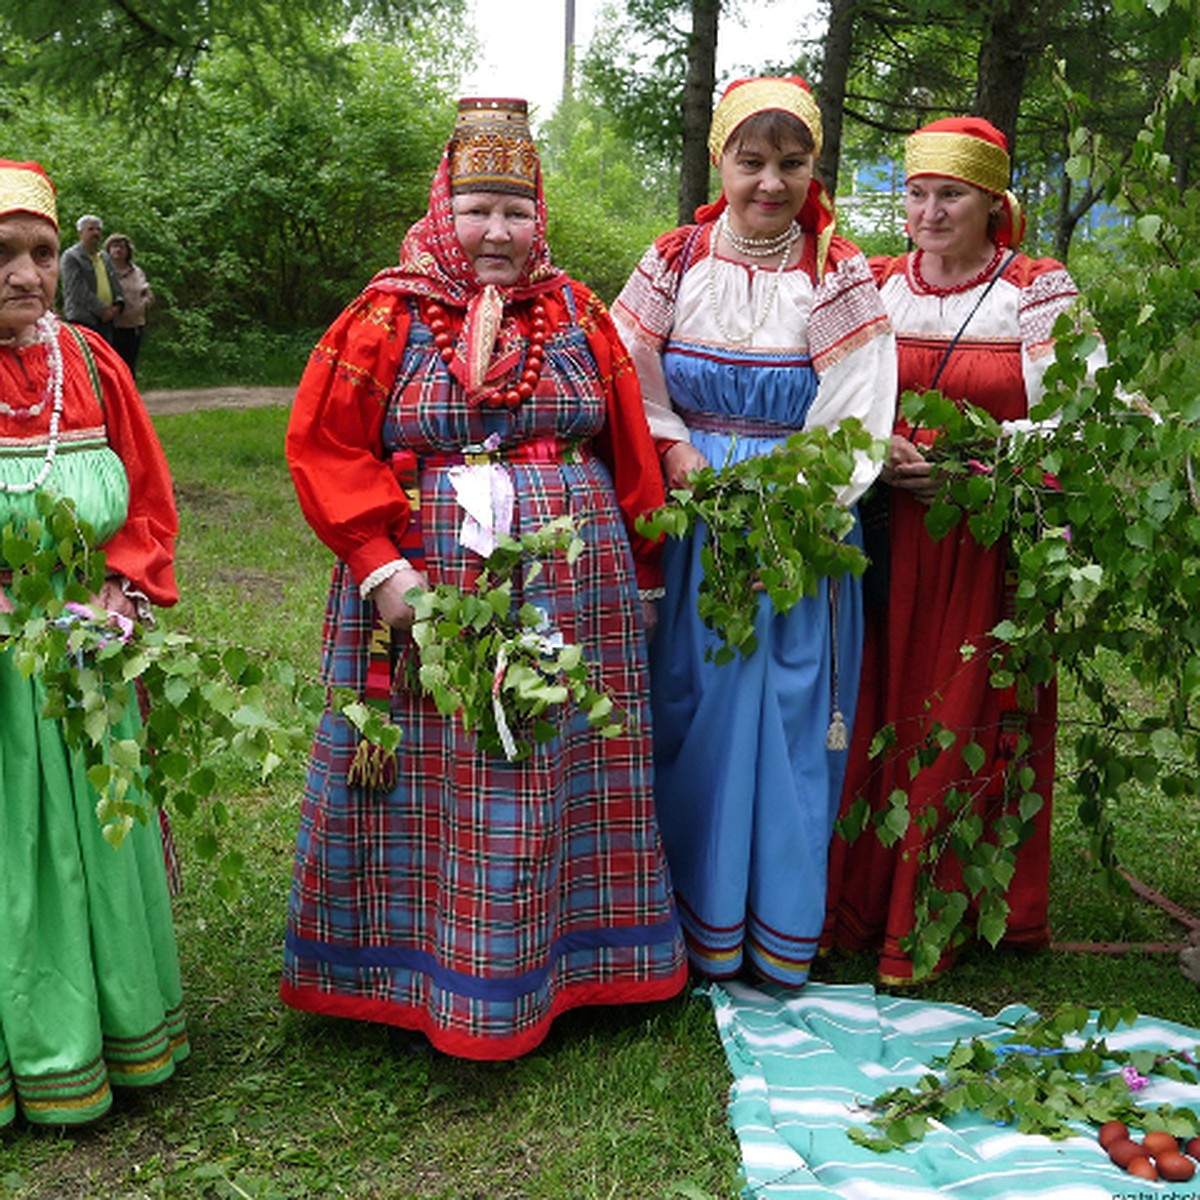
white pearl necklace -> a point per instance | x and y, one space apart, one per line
789 238
23 414
758 247
47 327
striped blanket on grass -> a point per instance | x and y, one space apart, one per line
804 1061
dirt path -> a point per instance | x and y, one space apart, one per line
162 403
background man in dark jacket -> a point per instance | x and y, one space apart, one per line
91 290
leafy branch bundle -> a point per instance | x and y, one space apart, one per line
1037 1082
201 702
981 835
498 665
774 523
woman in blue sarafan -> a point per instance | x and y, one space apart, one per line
754 323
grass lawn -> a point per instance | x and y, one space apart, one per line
616 1104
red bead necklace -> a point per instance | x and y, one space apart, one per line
965 286
512 392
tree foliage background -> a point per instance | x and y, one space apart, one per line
265 163
266 157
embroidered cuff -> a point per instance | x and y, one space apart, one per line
378 575
141 602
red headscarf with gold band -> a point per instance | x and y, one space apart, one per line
746 98
25 187
974 151
491 150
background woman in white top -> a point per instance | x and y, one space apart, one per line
129 325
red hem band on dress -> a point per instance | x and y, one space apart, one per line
585 995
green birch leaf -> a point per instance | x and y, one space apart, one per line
974 757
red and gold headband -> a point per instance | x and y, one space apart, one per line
745 97
491 149
974 151
966 148
25 187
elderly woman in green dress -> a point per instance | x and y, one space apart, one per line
90 992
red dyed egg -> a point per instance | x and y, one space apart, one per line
1175 1167
1193 1147
1159 1142
1123 1152
1143 1168
1113 1131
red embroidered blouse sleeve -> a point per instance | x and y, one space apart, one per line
347 493
143 549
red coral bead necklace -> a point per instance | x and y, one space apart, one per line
966 285
514 391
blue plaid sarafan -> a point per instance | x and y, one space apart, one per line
480 898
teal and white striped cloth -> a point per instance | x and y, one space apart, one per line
803 1061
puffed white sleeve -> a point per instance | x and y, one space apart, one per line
642 314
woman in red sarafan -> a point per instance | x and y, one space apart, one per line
973 314
467 896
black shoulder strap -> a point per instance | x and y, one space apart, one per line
967 320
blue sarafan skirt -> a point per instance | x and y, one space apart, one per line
745 787
746 790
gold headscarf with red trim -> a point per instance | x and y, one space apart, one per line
745 98
25 187
974 151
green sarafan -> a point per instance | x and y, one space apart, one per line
774 523
203 702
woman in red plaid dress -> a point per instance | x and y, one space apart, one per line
476 898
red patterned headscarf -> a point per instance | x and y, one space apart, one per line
433 265
746 98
